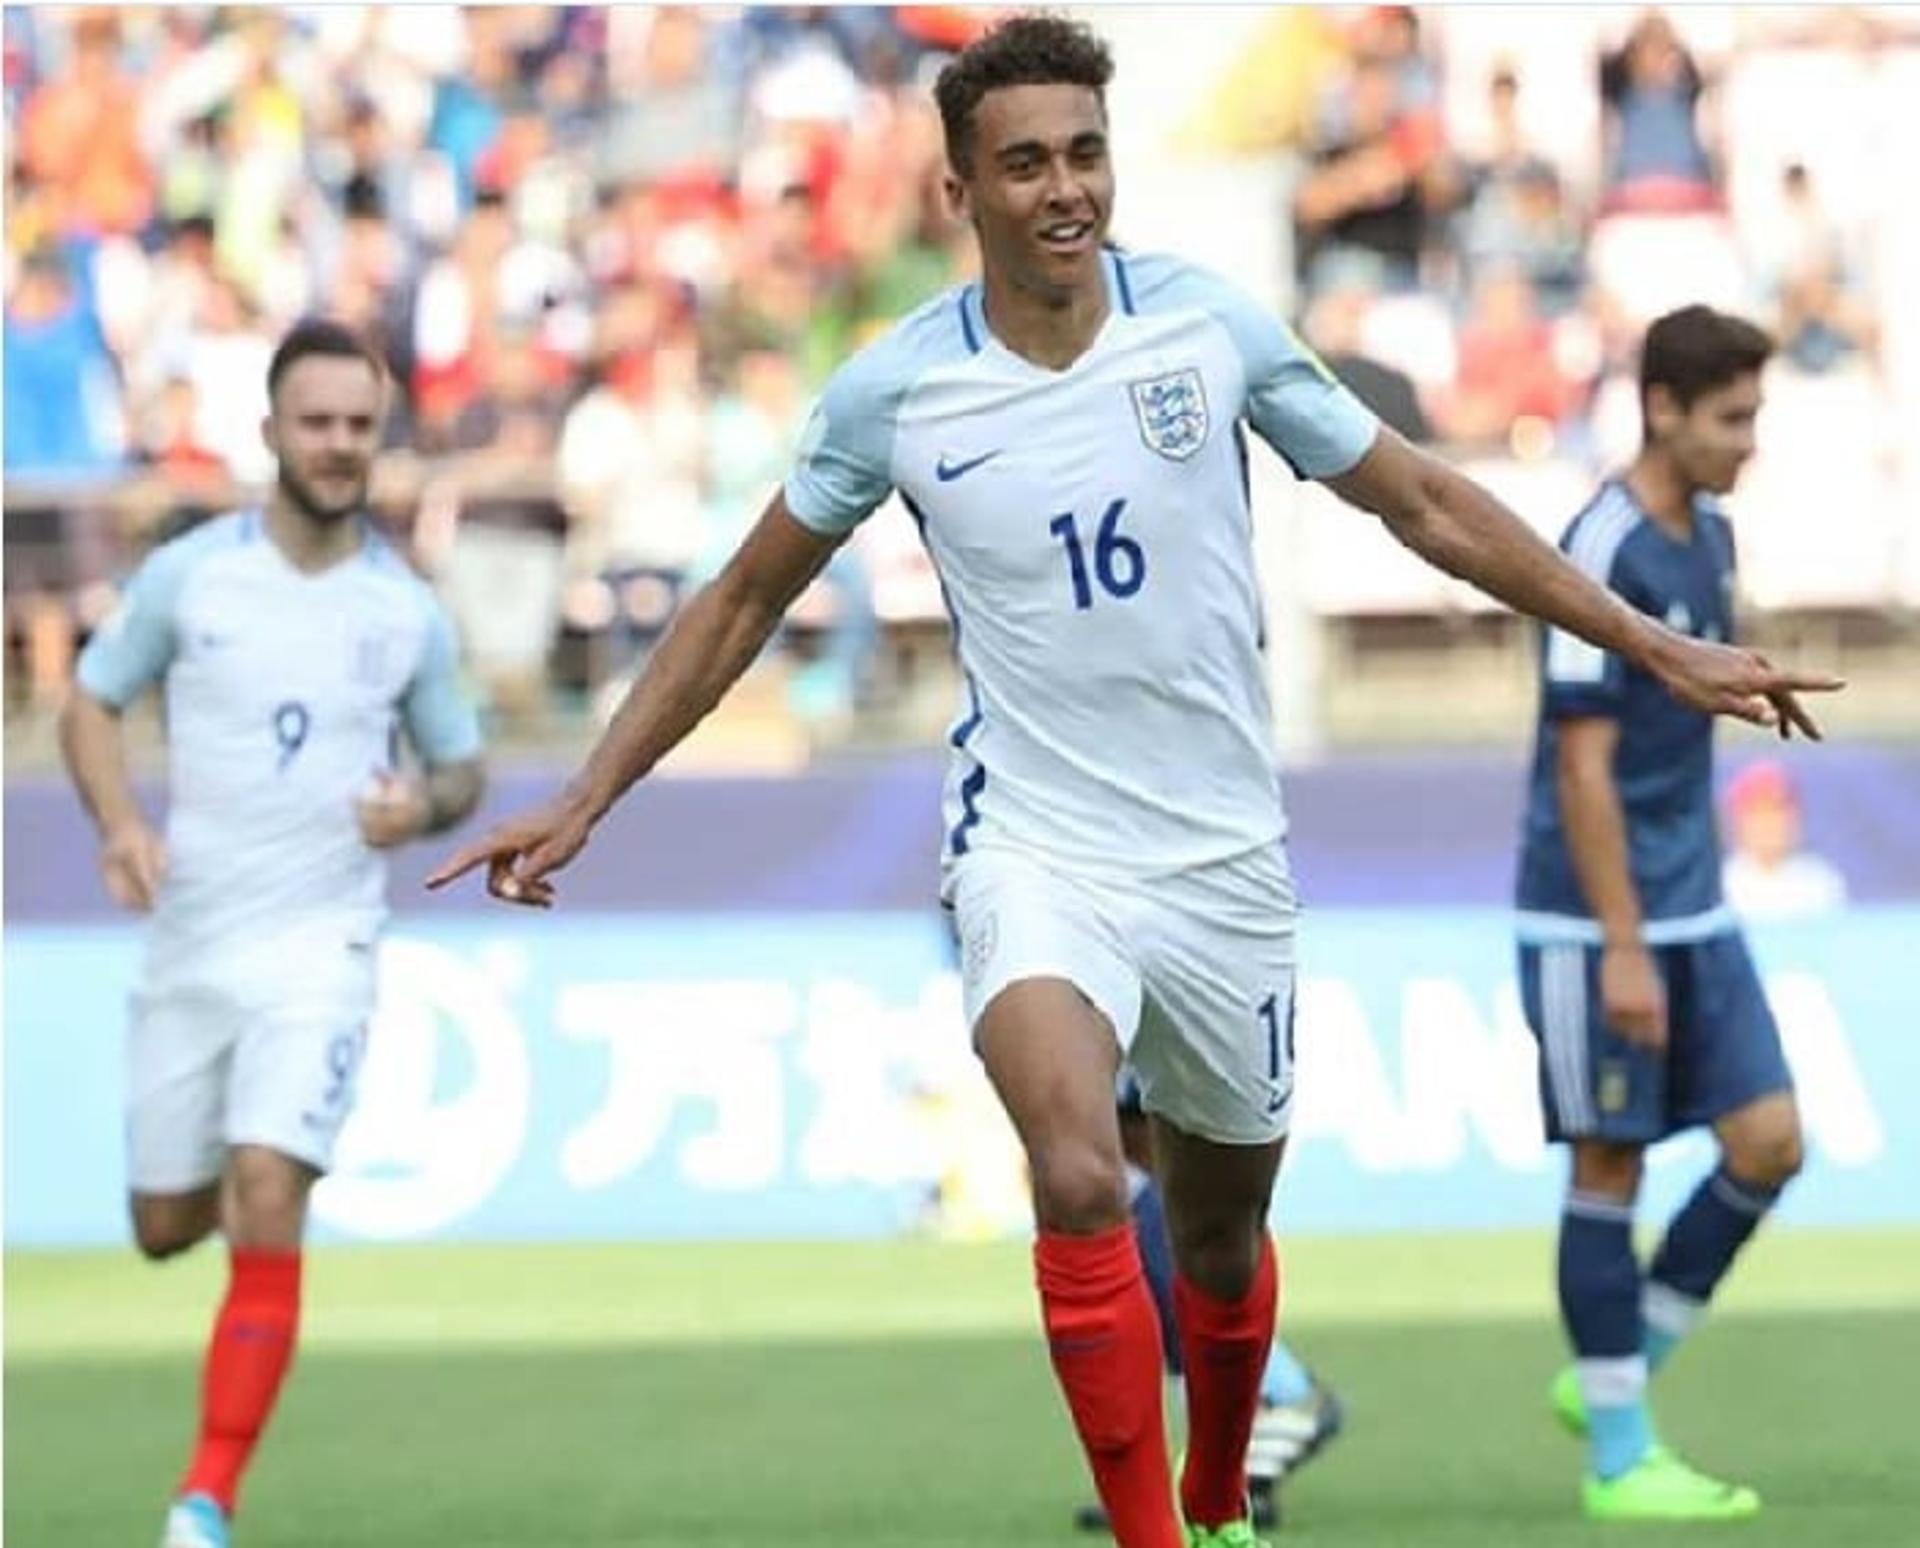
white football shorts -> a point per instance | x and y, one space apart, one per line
1195 972
264 1051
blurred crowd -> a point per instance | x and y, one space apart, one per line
611 252
608 252
1490 290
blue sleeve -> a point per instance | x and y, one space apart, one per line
1580 679
439 716
133 648
844 466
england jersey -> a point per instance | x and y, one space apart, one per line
1663 762
284 693
1091 530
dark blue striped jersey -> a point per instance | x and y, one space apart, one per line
1663 764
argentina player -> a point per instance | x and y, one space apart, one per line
1634 974
292 645
1068 435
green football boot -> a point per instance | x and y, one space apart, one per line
1660 1487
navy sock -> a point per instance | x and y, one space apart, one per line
1600 1303
1700 1247
1156 1255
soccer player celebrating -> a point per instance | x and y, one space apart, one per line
1067 434
1635 977
292 644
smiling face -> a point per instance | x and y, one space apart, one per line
1038 187
323 430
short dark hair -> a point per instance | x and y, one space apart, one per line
1695 350
1032 49
319 336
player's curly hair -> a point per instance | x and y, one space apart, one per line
1035 48
1696 350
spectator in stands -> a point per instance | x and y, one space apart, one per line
1822 318
61 392
1335 325
1655 155
1508 376
1361 212
632 461
1514 210
225 356
493 517
1768 874
457 310
673 116
751 434
80 136
167 439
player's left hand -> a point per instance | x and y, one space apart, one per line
1727 680
392 810
522 852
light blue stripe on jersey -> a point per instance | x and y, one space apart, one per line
1294 402
133 649
971 333
1117 260
1540 929
440 719
844 467
1597 540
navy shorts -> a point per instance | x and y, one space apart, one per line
1723 1048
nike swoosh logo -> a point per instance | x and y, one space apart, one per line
947 471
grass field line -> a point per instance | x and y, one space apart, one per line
72 1306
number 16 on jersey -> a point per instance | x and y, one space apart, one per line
1119 563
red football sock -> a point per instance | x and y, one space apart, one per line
251 1348
1223 1345
1105 1340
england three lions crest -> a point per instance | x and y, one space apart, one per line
1172 413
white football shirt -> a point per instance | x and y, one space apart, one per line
1091 529
284 693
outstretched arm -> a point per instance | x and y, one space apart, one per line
1452 522
712 642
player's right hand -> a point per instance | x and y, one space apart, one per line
1632 997
1727 680
522 852
134 862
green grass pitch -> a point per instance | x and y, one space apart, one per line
894 1395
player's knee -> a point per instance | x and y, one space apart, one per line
268 1200
163 1234
1608 1171
1079 1188
1771 1157
157 1245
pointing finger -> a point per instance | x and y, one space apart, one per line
461 863
1806 682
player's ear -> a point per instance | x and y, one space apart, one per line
956 192
1663 412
